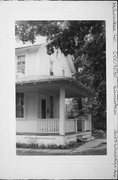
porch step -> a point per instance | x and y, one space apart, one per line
85 138
86 135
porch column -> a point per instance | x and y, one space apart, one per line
90 124
89 116
62 111
89 102
76 125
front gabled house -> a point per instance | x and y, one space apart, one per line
43 82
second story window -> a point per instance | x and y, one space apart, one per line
21 64
51 68
63 72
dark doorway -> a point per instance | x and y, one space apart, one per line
43 108
79 125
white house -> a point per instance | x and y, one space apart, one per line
42 83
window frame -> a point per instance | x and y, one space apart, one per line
51 106
51 67
63 71
20 105
21 64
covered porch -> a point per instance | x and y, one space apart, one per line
44 118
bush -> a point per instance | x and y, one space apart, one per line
23 145
99 134
70 145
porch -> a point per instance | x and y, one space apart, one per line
47 131
42 106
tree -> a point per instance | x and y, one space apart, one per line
85 41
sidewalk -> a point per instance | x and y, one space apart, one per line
96 144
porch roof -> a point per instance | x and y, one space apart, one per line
73 88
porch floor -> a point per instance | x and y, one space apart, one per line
50 134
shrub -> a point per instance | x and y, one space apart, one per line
99 134
70 145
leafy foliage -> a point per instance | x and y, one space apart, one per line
85 41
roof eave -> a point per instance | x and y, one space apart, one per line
67 82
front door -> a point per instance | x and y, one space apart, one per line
31 106
43 108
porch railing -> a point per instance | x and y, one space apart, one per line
70 125
85 122
37 125
52 125
48 125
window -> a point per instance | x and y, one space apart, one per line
51 68
51 107
21 64
20 105
63 72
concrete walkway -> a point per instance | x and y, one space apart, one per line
89 145
96 143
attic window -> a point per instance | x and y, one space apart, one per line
80 69
21 64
